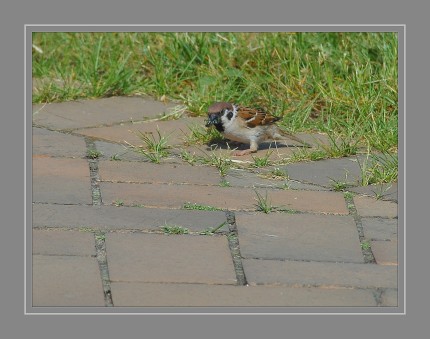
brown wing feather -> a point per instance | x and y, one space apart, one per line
256 117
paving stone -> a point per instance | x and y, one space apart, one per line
111 217
156 173
245 178
129 133
315 139
234 198
387 191
299 237
326 172
147 294
63 242
370 207
169 258
389 297
66 281
58 144
380 228
319 274
385 252
61 180
119 152
275 153
92 113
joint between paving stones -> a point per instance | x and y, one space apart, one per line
377 294
94 173
366 249
233 242
101 256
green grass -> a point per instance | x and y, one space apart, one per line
365 245
263 203
174 229
199 207
198 135
343 84
155 148
224 183
262 161
222 162
213 230
379 169
118 202
93 154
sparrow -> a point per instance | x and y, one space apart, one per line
246 125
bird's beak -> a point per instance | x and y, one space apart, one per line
214 119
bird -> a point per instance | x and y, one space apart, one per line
246 125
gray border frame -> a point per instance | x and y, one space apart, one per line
401 309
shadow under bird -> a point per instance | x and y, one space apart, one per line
246 125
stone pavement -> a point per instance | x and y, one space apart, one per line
104 218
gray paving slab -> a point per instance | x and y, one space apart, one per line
326 172
380 228
169 258
385 252
58 144
319 274
63 242
246 178
371 207
147 294
315 139
61 180
389 297
111 151
383 191
233 198
299 237
174 131
301 252
111 217
99 112
140 172
66 281
274 153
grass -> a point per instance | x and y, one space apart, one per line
100 237
379 169
93 154
365 245
222 162
343 84
195 206
213 230
262 161
263 203
155 148
348 195
174 229
278 173
224 183
118 202
340 185
202 136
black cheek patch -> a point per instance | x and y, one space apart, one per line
229 115
219 127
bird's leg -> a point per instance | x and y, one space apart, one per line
253 147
